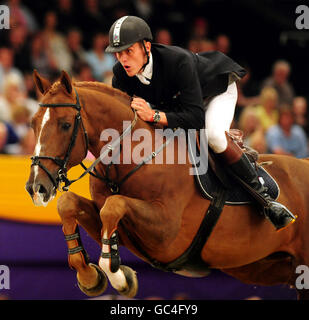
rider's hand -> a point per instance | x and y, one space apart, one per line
142 109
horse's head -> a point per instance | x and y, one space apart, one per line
61 139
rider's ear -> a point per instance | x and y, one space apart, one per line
148 46
66 81
41 83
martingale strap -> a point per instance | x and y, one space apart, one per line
114 186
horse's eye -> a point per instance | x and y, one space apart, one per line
66 126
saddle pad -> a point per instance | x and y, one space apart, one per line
208 183
236 195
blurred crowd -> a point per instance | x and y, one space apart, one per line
72 35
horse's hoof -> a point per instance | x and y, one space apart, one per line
99 288
132 282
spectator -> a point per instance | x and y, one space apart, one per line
16 110
66 16
253 133
21 16
267 111
7 136
20 123
300 110
170 14
143 9
163 36
206 45
94 21
100 62
201 45
14 96
200 29
223 43
41 58
193 46
56 44
287 138
30 87
7 66
279 81
18 43
3 135
74 41
83 72
248 93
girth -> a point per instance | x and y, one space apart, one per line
191 259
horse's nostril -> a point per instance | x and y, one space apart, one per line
30 190
42 189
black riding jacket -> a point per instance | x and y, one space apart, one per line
181 80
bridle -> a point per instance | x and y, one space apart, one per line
62 163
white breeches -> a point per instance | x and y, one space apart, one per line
219 116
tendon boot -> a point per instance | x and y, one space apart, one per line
241 169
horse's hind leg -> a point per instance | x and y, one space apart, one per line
72 208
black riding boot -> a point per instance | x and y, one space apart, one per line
240 166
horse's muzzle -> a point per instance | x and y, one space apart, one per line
40 192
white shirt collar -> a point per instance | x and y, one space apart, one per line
146 75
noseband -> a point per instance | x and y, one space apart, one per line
62 163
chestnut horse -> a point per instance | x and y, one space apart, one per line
159 204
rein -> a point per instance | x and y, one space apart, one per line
62 163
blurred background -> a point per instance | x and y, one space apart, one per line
71 35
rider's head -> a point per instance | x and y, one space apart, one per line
129 39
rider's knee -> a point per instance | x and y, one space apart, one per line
217 140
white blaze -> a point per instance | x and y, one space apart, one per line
38 146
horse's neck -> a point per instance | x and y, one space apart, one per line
103 112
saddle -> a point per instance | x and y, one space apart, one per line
217 177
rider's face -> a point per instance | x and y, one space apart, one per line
133 58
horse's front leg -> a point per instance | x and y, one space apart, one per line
72 209
122 278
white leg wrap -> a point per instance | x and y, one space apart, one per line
117 279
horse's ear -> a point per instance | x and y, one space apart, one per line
42 83
66 81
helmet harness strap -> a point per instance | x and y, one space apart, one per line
147 54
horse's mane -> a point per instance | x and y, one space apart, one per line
97 86
104 88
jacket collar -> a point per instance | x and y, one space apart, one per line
146 76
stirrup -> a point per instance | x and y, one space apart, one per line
279 215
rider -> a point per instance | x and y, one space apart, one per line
174 87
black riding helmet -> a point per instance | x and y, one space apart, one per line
126 31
